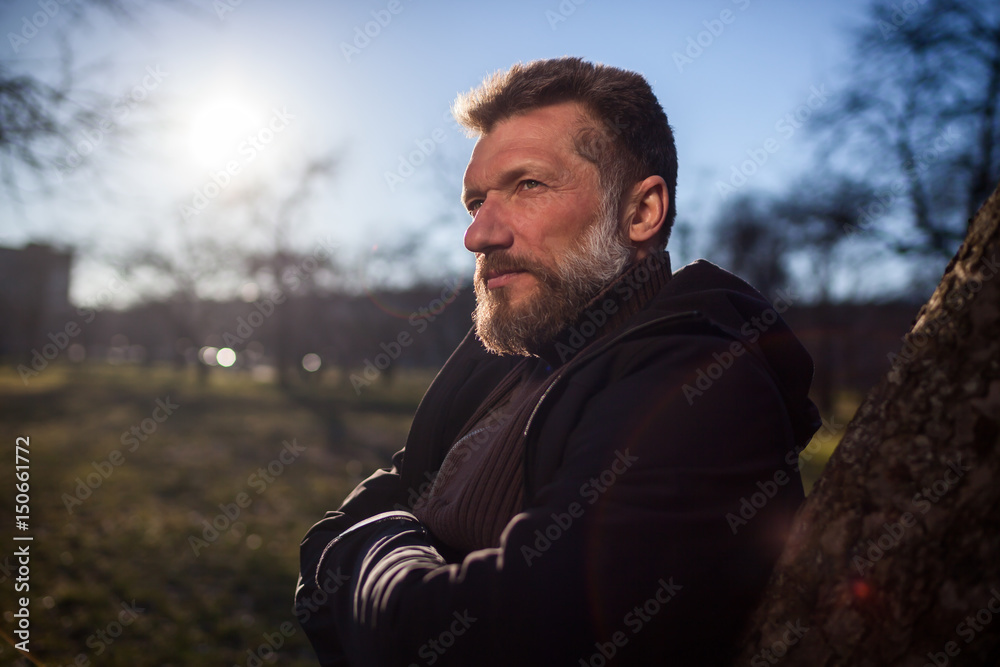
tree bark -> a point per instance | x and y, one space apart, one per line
894 559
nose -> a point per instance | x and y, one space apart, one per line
489 229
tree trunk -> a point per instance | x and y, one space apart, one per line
894 559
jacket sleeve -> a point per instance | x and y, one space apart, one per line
639 546
440 414
378 493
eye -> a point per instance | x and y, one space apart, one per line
473 206
530 184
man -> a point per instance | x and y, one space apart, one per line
575 486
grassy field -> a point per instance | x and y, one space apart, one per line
129 535
124 570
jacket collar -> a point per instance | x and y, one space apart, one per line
610 309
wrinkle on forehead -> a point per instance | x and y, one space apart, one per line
583 122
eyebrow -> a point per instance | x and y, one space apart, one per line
468 195
506 176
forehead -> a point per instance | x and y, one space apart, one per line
545 134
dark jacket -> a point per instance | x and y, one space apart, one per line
660 478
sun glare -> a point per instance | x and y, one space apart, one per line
218 128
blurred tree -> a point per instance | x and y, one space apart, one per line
919 119
273 212
182 278
747 242
36 119
895 557
42 112
244 241
811 216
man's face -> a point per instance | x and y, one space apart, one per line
546 240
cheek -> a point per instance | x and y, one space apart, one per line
548 227
566 227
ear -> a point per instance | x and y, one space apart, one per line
649 203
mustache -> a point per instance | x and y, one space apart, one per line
503 261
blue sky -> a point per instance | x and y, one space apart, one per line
373 81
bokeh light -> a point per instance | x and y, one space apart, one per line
208 355
226 357
311 362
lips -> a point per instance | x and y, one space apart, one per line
496 279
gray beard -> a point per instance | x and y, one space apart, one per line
562 293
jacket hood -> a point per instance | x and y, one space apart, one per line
739 311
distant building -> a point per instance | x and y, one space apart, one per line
34 297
